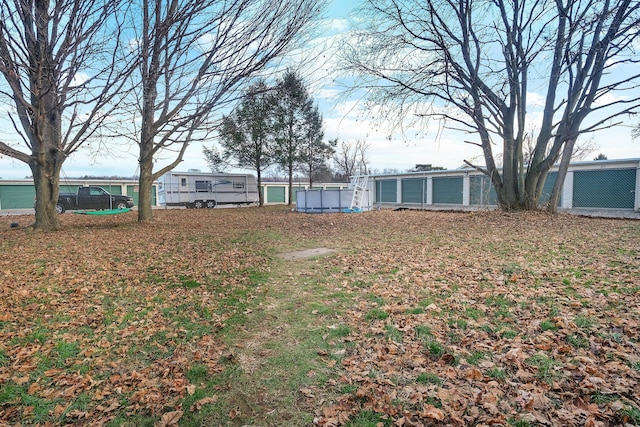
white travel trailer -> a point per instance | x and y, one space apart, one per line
206 190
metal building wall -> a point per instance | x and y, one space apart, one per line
597 185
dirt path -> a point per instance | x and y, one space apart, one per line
281 355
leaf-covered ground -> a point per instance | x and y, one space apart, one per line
418 318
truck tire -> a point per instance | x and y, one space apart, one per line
198 204
60 208
211 204
121 205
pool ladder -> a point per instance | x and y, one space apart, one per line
359 186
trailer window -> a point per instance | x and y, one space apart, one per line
183 182
238 185
203 186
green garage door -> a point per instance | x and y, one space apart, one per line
413 190
447 190
17 196
604 188
276 194
386 191
134 193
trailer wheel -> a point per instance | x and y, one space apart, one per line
211 204
198 204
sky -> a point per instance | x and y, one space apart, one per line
344 119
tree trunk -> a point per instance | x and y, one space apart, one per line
260 195
145 195
290 190
562 174
47 187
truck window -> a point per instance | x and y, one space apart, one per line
93 191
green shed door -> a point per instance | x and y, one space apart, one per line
604 188
386 191
413 190
276 194
447 190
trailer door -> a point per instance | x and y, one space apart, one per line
183 188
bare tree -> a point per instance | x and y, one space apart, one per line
195 57
351 159
57 60
475 62
583 148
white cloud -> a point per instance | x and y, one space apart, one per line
80 79
327 93
535 99
335 24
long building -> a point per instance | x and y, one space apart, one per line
602 188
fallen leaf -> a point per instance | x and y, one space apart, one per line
198 404
169 419
431 412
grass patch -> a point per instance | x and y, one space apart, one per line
369 419
498 374
65 351
186 283
473 313
546 367
423 332
197 373
518 422
631 415
376 314
548 325
394 333
509 334
578 341
475 357
435 349
339 331
429 378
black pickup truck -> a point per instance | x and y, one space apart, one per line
92 198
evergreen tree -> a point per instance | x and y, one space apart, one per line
246 135
294 122
314 152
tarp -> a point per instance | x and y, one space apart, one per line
105 212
